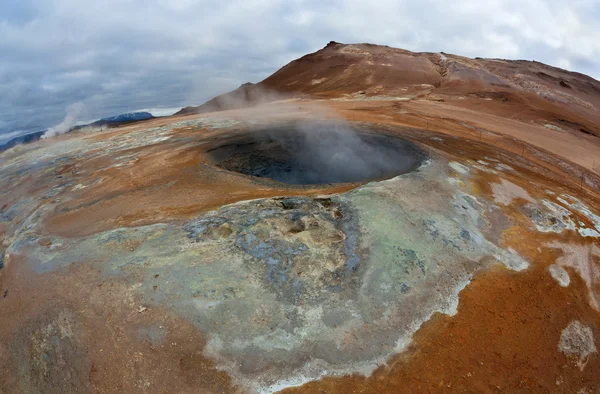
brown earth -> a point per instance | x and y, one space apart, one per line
96 329
504 337
529 91
503 340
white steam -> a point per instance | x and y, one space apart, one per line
73 111
305 142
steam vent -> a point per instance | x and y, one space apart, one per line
366 219
318 153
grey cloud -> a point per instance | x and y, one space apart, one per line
116 56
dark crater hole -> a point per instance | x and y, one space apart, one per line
318 153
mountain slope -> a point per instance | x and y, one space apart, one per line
537 92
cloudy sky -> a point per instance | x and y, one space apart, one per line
116 56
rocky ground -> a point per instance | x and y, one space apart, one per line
133 262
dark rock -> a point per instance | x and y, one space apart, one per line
564 84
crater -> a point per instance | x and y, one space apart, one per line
318 153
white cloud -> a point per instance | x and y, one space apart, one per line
119 55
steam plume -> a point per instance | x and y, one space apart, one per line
73 111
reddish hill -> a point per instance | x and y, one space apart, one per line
534 91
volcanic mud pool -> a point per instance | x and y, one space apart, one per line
318 153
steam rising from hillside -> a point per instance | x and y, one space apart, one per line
70 120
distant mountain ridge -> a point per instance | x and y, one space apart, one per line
111 121
22 139
118 119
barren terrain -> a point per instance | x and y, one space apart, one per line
158 257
